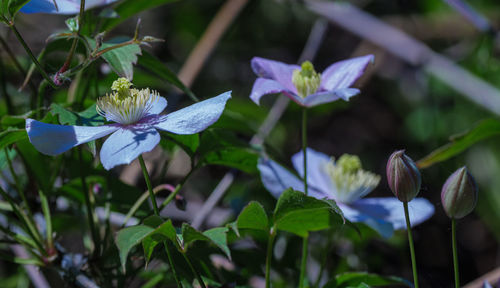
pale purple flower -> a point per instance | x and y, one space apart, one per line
325 181
63 6
333 84
135 131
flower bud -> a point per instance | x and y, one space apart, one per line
403 176
459 194
306 80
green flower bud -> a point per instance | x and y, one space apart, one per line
306 80
122 87
459 194
403 176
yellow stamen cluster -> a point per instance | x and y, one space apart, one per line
351 181
126 105
306 80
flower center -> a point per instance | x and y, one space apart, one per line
306 80
126 105
351 181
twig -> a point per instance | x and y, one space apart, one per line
310 49
491 277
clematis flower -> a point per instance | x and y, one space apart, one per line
345 182
61 6
303 84
137 118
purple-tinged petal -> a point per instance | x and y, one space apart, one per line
391 210
274 70
330 96
194 118
157 107
344 73
63 6
126 144
53 139
354 215
263 86
277 179
316 173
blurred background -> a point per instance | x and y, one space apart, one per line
436 74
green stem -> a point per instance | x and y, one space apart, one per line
3 89
32 56
19 187
269 258
40 96
75 41
455 254
172 195
303 262
305 242
195 272
148 184
412 248
89 206
48 220
157 213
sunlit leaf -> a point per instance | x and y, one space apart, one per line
253 216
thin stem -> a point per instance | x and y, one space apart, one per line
172 195
32 56
304 145
40 96
303 262
75 41
3 89
157 213
19 187
48 220
195 272
269 258
303 265
455 254
412 248
89 206
148 184
325 258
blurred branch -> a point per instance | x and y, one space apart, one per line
36 277
411 50
209 40
474 17
491 277
312 45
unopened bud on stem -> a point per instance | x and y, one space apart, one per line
459 194
403 176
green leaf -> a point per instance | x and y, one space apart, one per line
363 279
72 24
297 213
88 117
162 232
122 59
129 237
16 120
11 153
154 65
12 135
129 8
9 8
485 129
218 236
254 217
188 143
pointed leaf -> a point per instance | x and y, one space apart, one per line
129 237
12 135
253 216
218 236
163 231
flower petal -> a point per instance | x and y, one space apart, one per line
330 96
384 228
344 73
316 175
274 70
194 118
391 210
263 86
157 107
276 179
63 6
53 139
126 144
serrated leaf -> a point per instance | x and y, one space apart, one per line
129 237
355 279
485 129
299 214
122 59
253 216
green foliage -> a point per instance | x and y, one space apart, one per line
12 135
9 8
459 143
253 216
362 279
128 238
122 59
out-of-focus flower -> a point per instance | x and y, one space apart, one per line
303 85
403 176
136 113
345 182
459 194
61 6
